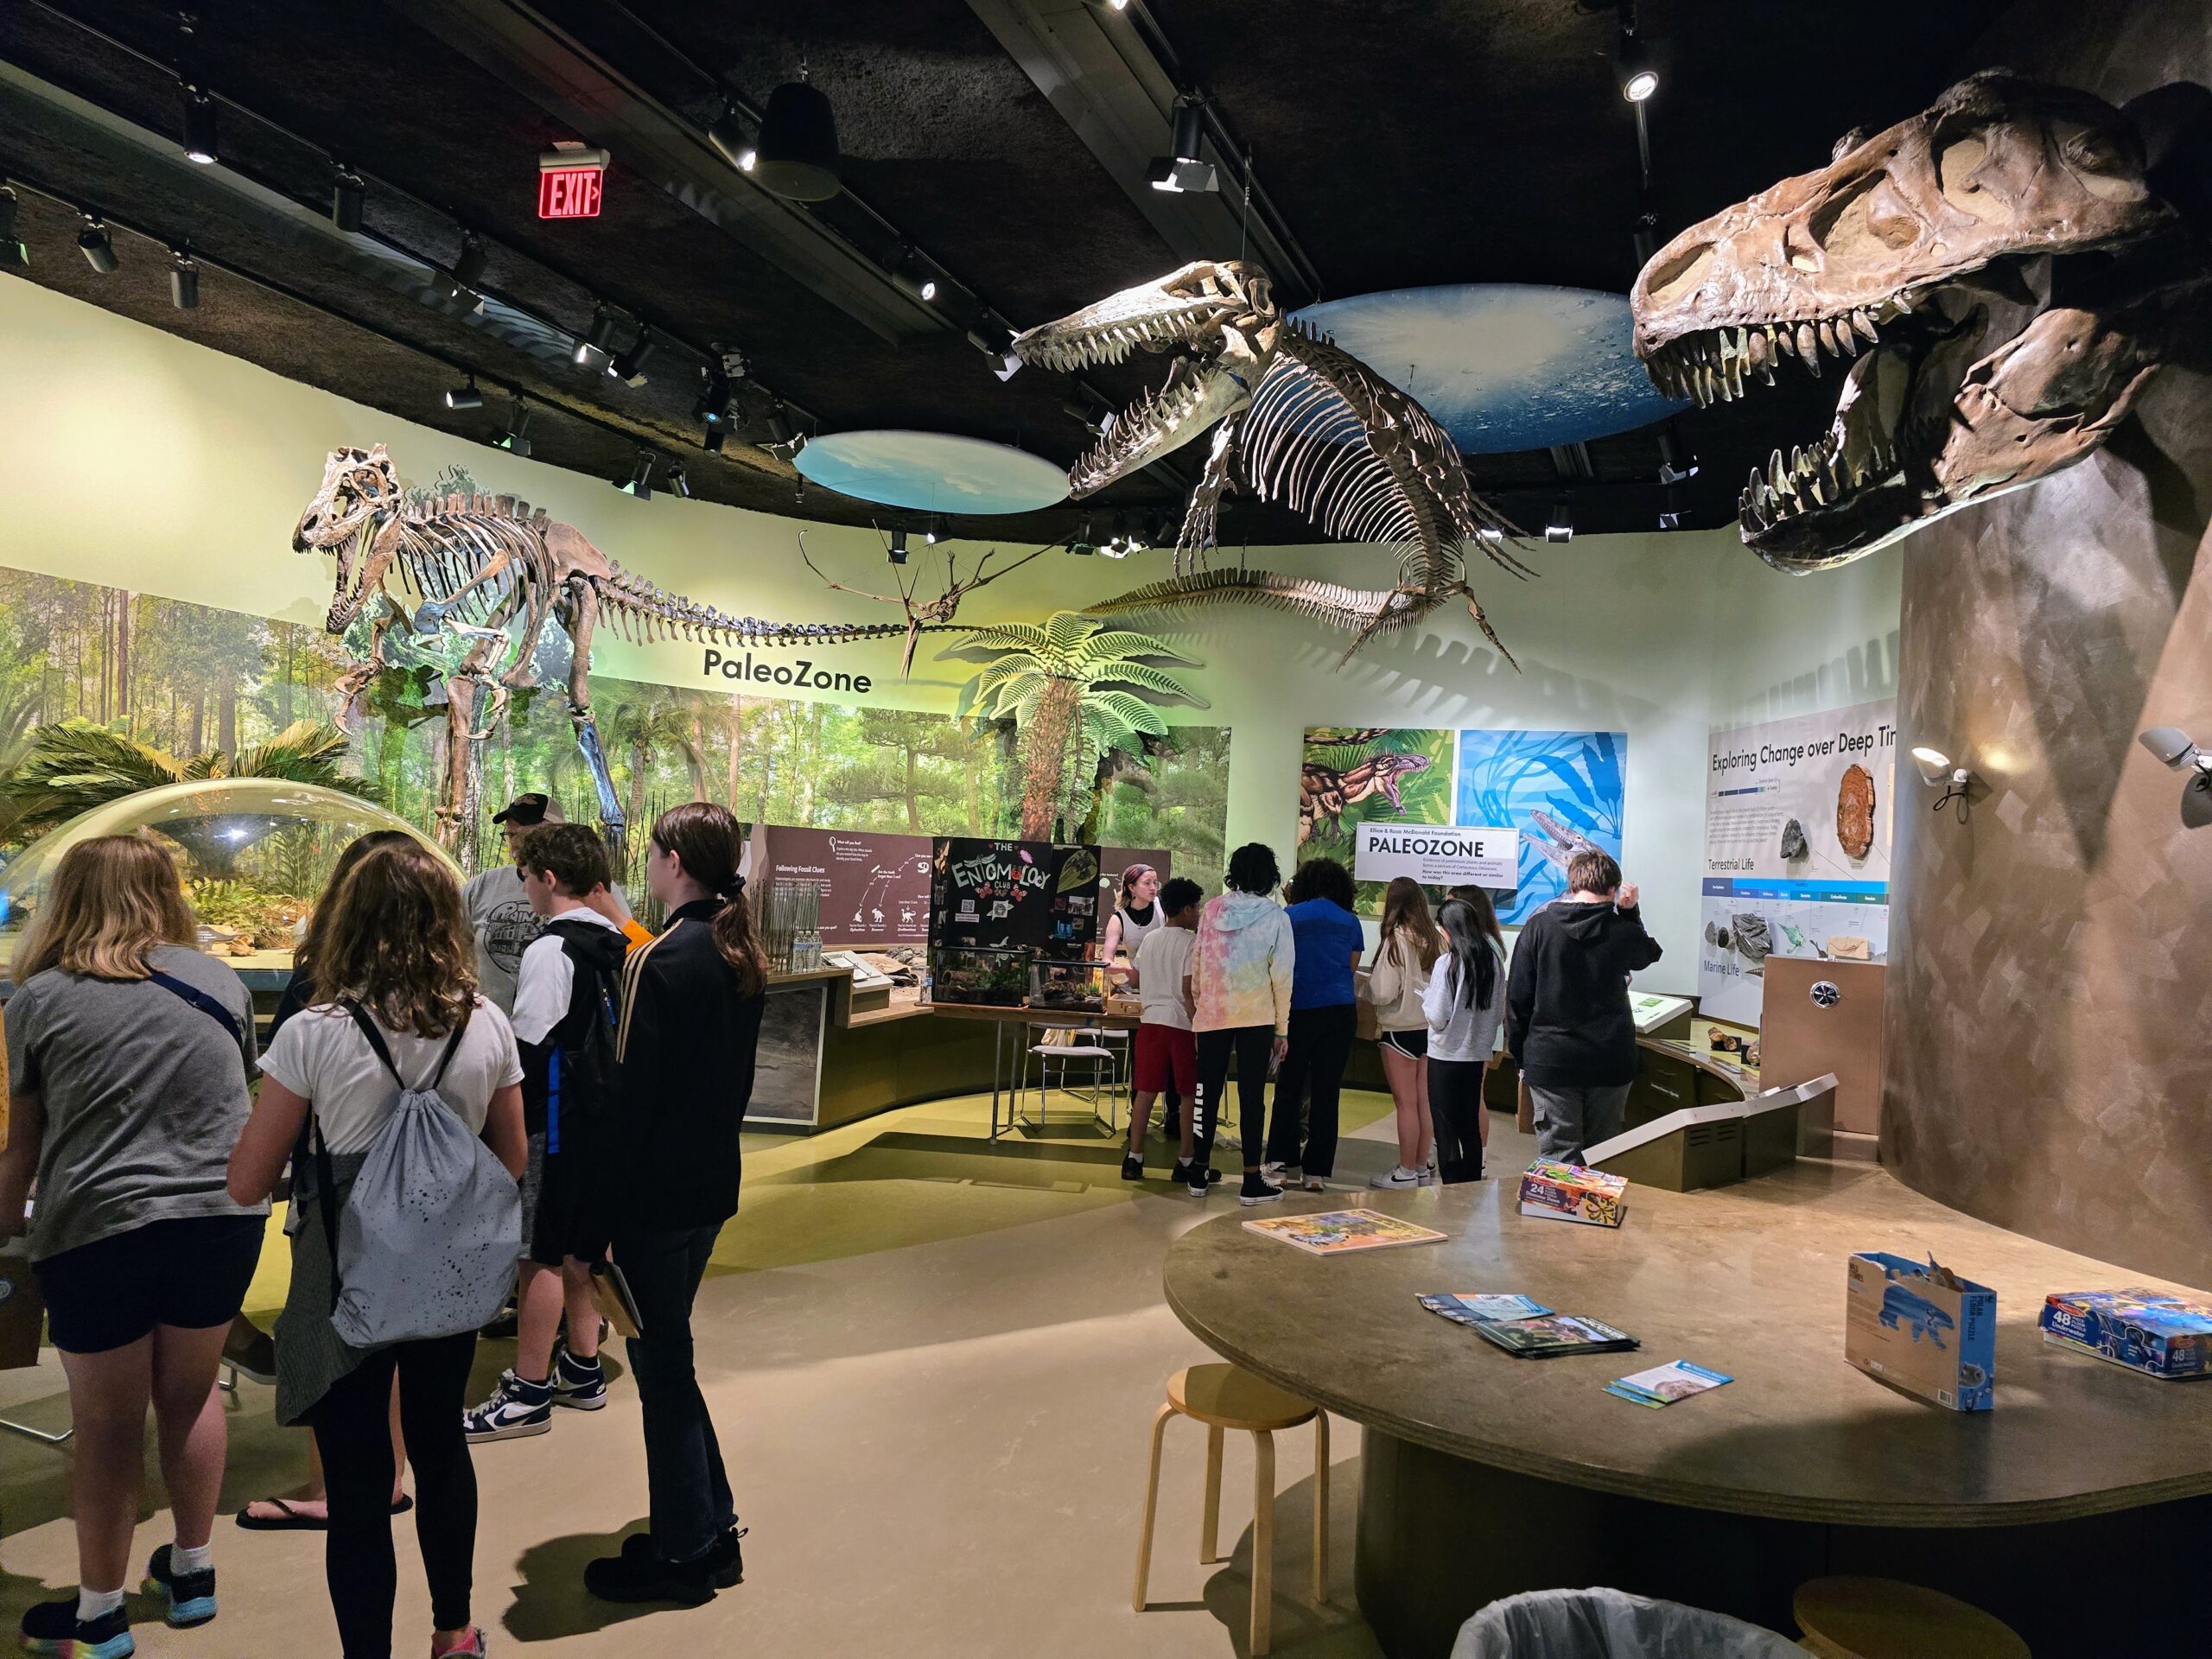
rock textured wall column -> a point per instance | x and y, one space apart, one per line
2049 997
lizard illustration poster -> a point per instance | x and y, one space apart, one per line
1562 791
1355 775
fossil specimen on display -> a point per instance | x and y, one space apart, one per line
1854 810
1754 942
1997 277
1793 840
1295 420
1848 947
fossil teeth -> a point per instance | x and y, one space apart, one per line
1787 341
1808 343
1758 349
1775 476
1826 334
1865 325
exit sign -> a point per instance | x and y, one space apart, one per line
572 183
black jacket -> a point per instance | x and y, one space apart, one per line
686 1047
1567 1015
595 957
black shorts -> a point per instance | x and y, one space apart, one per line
1412 1043
556 1205
190 1273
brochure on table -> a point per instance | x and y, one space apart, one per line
1797 836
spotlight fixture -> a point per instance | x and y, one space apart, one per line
912 273
678 482
899 545
795 156
630 365
935 530
996 340
713 406
468 265
712 443
1083 547
1492 536
93 242
1559 527
600 340
184 280
516 439
1182 172
1119 5
640 481
726 132
778 423
348 190
465 396
2175 750
1632 58
1677 464
14 256
1938 771
1096 418
198 127
1670 513
798 492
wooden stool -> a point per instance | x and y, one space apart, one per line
1223 1397
1881 1618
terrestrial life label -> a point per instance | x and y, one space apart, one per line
1438 856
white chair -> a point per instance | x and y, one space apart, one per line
1075 1046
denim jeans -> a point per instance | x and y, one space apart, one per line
689 1490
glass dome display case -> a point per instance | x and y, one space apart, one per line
253 854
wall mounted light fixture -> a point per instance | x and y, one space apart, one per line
2175 751
1938 770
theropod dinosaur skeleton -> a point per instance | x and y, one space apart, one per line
510 596
1301 422
2002 267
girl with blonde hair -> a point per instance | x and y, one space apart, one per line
1406 950
129 1052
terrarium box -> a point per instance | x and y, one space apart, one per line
962 975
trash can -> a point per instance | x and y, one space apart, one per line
1610 1624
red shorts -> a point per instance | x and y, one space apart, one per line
1166 1059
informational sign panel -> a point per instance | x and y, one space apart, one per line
1014 895
1797 832
1437 856
876 886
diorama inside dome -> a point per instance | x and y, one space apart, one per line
253 854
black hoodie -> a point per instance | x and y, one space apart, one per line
1567 1021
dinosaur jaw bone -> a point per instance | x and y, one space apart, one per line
1193 399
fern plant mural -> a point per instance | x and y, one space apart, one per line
1076 691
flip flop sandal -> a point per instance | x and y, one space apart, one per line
291 1520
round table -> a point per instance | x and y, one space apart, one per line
1483 1475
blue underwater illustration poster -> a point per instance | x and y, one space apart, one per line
1562 791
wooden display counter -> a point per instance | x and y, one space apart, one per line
1484 1475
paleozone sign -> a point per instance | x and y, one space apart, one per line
1436 855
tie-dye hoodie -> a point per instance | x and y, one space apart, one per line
1241 967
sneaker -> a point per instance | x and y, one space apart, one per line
640 1575
1182 1176
1399 1180
725 1561
1427 1177
1314 1184
516 1408
1133 1168
187 1598
53 1627
467 1645
1257 1189
1283 1174
579 1384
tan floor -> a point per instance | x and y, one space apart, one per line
934 1366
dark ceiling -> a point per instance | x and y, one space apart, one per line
1394 143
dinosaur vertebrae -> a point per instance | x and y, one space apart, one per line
1360 609
447 540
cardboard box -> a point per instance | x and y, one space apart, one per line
1923 1328
1570 1193
2152 1332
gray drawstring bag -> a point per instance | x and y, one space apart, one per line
427 1241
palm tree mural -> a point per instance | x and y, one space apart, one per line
1071 690
647 727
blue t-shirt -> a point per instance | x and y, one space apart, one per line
1327 937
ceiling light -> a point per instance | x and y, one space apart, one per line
630 365
678 481
996 340
184 282
1182 171
912 273
713 406
2175 750
640 481
469 264
13 254
465 396
778 424
797 155
1096 417
516 439
600 340
933 531
347 192
1559 527
1492 536
1119 5
1639 79
93 241
1677 466
198 127
899 546
726 133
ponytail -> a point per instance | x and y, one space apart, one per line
703 838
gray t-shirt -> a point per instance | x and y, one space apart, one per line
145 1097
498 909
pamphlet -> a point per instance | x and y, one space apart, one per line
1483 1307
1554 1334
1341 1232
1664 1384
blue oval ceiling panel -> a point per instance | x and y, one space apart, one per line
933 472
1503 366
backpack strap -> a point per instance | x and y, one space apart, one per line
198 999
383 1051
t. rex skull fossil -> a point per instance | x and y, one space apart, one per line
359 490
2000 270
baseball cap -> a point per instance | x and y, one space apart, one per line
529 810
